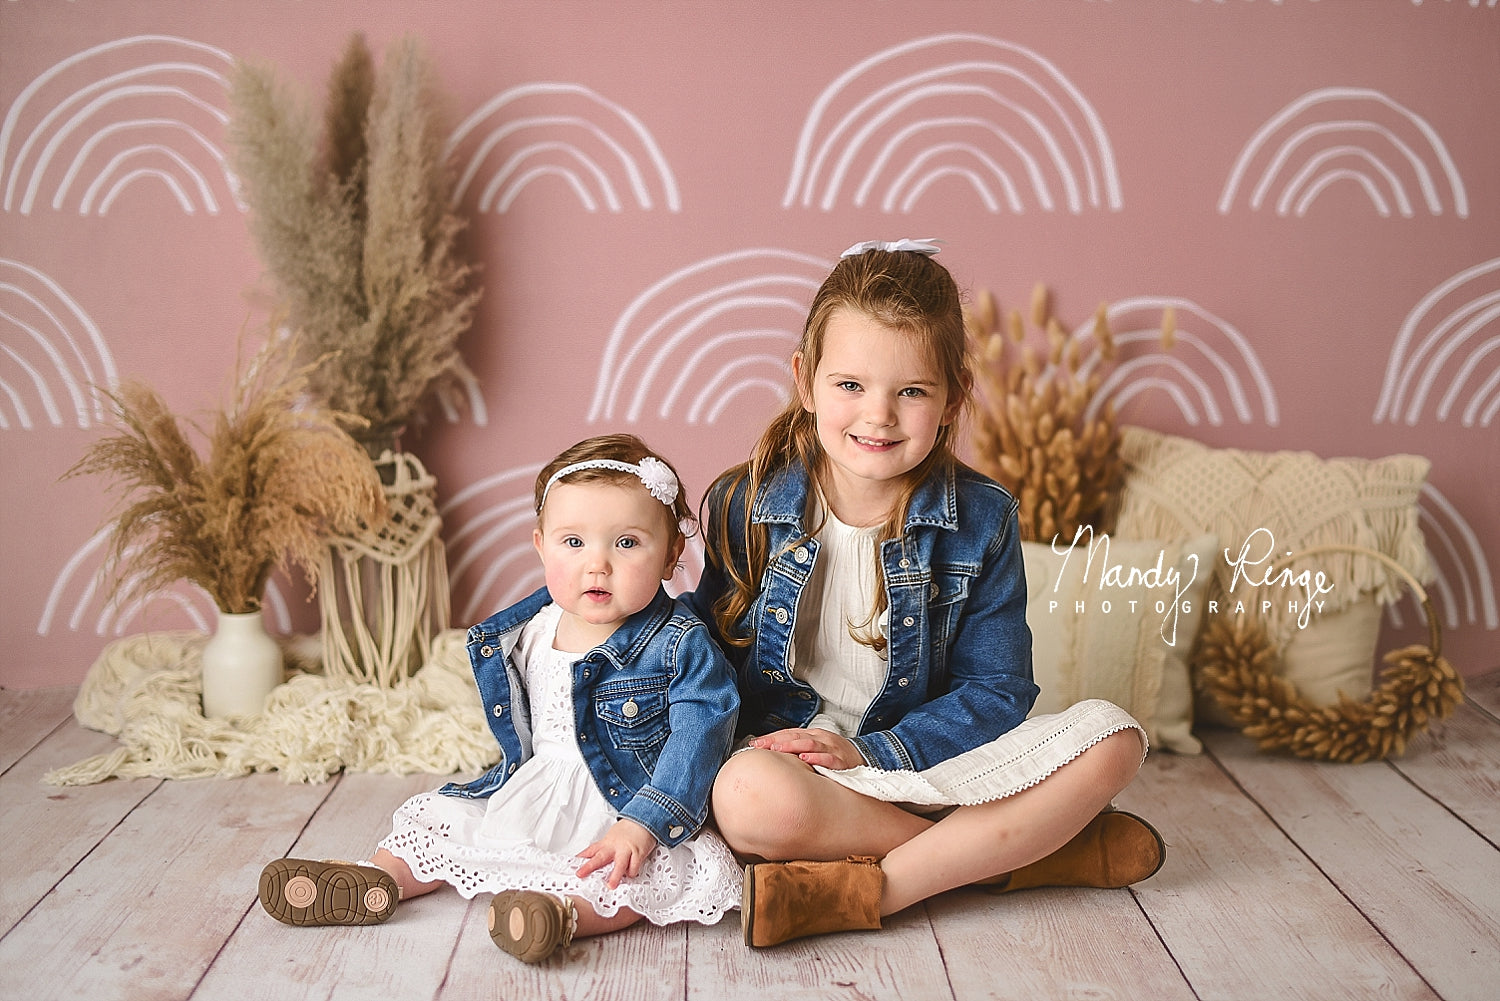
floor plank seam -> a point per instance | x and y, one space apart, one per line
1135 895
1327 876
1396 767
37 743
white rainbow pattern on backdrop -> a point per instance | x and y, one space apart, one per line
564 131
77 600
706 335
491 560
87 130
1461 315
1346 135
997 116
51 354
1209 357
1463 587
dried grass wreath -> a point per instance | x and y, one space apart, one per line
1239 666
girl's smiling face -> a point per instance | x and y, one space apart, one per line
605 548
879 402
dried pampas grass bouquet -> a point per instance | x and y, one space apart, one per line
278 477
1038 429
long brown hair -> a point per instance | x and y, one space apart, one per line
908 292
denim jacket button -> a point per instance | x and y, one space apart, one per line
781 616
499 711
904 563
486 651
908 621
674 832
800 555
805 695
512 769
904 682
630 709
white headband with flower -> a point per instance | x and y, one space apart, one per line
656 476
926 245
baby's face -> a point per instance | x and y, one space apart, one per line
606 549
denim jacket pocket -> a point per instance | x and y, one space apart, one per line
948 594
635 712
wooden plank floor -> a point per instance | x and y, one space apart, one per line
1284 880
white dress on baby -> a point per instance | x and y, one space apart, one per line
527 835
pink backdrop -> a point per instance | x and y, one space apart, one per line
656 189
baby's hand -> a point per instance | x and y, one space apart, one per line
815 746
626 845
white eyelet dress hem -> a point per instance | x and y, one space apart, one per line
527 835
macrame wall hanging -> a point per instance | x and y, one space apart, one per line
384 594
1237 664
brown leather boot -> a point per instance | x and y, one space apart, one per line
1114 849
787 900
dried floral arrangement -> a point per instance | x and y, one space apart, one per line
355 229
1236 662
1036 430
277 478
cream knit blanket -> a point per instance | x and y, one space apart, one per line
146 691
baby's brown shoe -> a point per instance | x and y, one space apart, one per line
304 892
531 925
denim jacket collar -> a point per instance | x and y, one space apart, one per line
623 645
784 499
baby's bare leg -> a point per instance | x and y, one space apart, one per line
591 923
402 874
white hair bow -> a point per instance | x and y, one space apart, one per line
927 245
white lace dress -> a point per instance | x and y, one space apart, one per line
527 835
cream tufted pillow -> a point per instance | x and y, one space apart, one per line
1088 641
1266 505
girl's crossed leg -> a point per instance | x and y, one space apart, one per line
773 806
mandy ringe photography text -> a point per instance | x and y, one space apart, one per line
1253 565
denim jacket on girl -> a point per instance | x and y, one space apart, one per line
959 668
654 708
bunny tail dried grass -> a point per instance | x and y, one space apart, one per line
277 481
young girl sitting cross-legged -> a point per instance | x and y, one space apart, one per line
613 710
868 587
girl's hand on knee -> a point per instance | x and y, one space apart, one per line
815 746
626 844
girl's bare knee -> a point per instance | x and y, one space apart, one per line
758 801
1119 758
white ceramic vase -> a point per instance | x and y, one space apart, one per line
241 665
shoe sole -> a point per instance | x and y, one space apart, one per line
306 893
747 906
527 924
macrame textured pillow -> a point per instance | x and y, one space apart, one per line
1094 637
1271 504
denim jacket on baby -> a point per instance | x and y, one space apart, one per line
654 708
959 667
